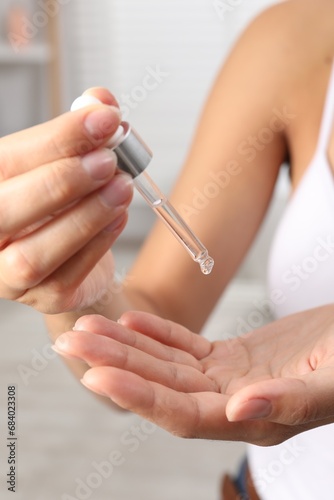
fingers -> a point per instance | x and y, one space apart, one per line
174 411
67 289
167 332
100 325
98 350
288 401
49 188
29 260
59 195
199 415
72 134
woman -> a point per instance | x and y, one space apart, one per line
272 100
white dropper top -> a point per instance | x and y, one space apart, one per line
89 100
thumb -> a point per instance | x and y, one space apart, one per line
288 401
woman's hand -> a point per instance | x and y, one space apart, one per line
261 388
62 207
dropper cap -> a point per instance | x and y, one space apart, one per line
132 153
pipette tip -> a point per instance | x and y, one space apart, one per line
206 265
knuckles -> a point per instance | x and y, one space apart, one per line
59 183
18 272
53 298
303 414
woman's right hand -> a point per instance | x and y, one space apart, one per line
62 207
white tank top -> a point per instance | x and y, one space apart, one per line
301 270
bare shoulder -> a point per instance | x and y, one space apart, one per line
287 53
287 42
292 26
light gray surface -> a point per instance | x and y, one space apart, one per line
63 430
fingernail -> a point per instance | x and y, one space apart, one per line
115 224
102 122
251 410
97 391
100 164
117 192
62 342
63 354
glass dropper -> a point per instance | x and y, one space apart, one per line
133 157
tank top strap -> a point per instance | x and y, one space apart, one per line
327 116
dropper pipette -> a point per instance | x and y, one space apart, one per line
133 157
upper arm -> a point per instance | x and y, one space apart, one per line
228 178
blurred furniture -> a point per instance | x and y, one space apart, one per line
29 63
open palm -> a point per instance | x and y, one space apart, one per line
261 388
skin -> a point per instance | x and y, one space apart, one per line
50 206
281 64
263 387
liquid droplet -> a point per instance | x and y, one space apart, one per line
207 265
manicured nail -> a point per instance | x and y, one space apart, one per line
102 122
117 192
97 391
251 410
100 164
63 342
64 354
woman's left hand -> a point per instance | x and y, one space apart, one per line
261 388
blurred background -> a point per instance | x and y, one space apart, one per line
159 59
